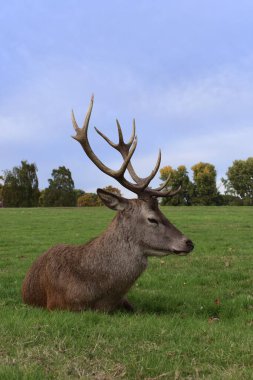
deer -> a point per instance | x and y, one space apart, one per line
97 275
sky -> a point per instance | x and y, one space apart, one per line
183 69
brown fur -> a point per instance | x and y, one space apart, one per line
97 275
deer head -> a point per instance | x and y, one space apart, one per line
140 218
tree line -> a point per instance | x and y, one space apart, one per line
19 187
202 189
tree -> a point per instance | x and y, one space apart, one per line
92 199
42 198
1 190
178 177
205 190
239 180
78 193
60 192
20 187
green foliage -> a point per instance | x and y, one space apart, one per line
202 191
88 200
204 179
178 178
192 319
230 200
239 180
93 200
20 187
60 192
62 179
1 190
42 198
78 193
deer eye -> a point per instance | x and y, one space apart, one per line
153 221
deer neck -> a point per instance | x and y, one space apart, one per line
119 237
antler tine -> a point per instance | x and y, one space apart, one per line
127 158
82 132
106 138
121 140
175 191
87 117
132 136
169 193
146 181
74 123
82 138
164 184
123 148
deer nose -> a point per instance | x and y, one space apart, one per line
189 244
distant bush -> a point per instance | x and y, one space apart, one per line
88 200
231 200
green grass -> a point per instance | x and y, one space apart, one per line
194 314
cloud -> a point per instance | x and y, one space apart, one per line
54 89
220 148
221 94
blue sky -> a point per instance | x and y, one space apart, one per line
183 69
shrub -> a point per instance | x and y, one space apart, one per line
88 200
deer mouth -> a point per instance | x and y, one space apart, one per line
165 252
181 253
179 249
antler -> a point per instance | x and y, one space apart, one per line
126 150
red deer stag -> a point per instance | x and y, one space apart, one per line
97 275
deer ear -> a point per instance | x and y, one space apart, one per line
113 201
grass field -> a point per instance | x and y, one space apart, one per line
194 314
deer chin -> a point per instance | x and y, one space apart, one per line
163 252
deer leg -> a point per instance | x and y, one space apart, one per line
57 300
